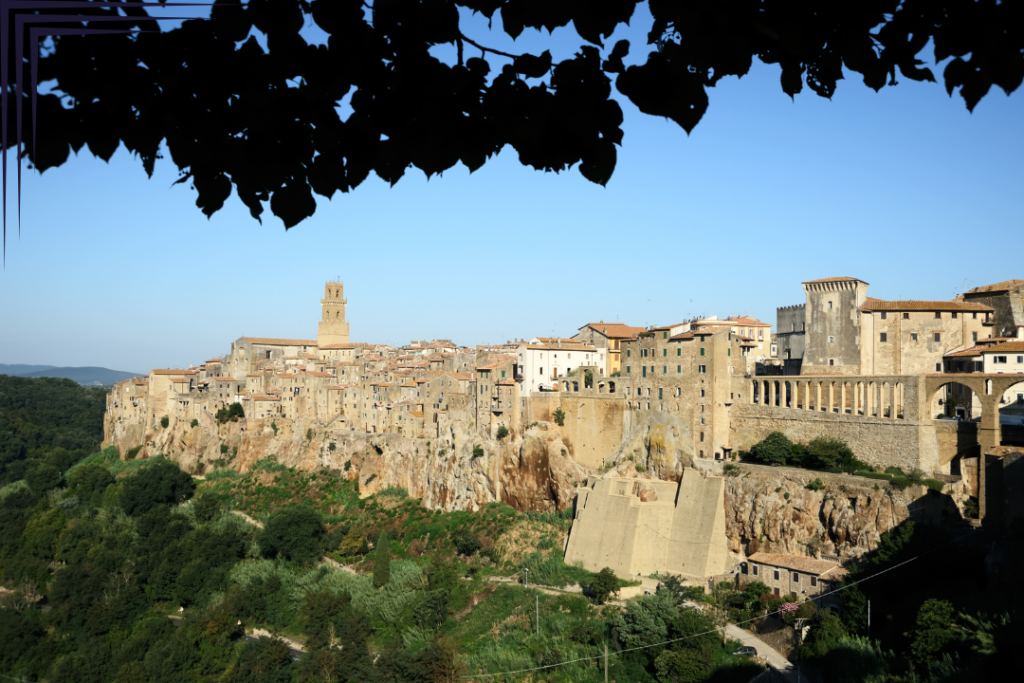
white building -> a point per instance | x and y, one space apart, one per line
540 364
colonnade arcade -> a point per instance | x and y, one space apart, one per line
851 396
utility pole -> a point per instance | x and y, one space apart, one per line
869 619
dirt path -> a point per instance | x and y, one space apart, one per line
255 522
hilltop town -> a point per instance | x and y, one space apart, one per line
636 426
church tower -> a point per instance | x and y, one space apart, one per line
333 329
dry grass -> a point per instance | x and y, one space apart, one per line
521 540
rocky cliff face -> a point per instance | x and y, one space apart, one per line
771 510
529 472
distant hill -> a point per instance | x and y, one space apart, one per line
19 369
84 376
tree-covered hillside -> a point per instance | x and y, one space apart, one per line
46 421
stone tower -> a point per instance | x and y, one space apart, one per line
333 329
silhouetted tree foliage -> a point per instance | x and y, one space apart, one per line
46 418
231 121
295 533
161 483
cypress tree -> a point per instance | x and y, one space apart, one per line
382 562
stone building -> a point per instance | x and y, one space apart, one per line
332 328
1006 299
539 365
609 337
790 337
805 577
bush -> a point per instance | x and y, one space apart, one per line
731 470
828 453
273 425
478 451
232 413
194 423
815 485
604 584
161 483
223 449
295 533
502 432
465 542
775 449
43 478
559 417
132 453
164 421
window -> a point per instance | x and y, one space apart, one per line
775 575
659 393
702 369
679 368
702 393
906 316
503 374
728 352
938 367
829 308
938 315
627 369
679 352
831 340
831 361
882 337
628 351
796 577
938 337
664 369
664 335
814 581
974 316
664 352
753 570
882 315
702 437
954 315
999 359
974 337
913 336
702 350
1020 359
541 371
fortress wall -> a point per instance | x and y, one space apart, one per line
878 441
593 425
642 526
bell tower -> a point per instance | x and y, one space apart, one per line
333 328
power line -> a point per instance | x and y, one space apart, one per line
716 630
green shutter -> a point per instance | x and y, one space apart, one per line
679 351
627 353
728 352
659 393
702 350
679 368
645 371
627 369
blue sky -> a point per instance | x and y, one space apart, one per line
904 189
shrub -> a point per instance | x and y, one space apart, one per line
478 451
89 481
559 417
331 446
465 542
773 450
295 533
273 425
971 508
194 423
640 468
786 495
43 478
815 485
164 421
828 453
382 562
502 432
604 584
223 449
132 452
161 483
206 507
935 484
731 470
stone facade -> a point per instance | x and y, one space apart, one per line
333 328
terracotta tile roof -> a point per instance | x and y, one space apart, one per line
832 279
574 346
505 382
615 330
341 346
998 287
270 341
416 413
880 305
1006 347
460 375
682 337
964 353
169 371
318 374
747 320
180 380
806 565
214 360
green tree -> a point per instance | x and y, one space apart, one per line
937 631
683 666
774 449
382 561
559 417
164 421
194 423
207 508
295 533
604 584
829 453
825 633
43 478
502 432
160 483
89 481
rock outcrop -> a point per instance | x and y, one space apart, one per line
529 472
771 509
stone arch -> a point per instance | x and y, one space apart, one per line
755 394
777 399
611 387
566 386
600 387
956 400
575 386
